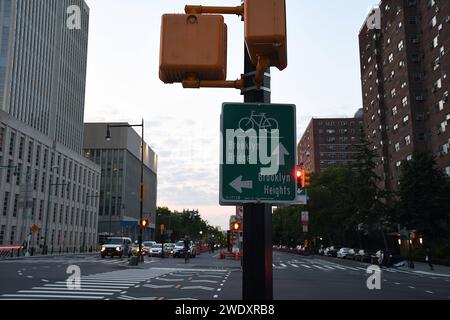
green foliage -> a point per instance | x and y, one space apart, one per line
424 194
187 223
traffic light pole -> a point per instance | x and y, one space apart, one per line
257 260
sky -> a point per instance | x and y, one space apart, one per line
183 126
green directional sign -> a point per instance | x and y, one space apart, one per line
258 154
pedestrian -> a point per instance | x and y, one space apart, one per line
428 259
381 259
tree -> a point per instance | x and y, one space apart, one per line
424 194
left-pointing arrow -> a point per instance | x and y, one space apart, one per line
238 184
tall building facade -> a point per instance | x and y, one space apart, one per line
120 161
45 184
43 66
405 66
330 142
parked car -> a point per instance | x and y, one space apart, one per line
156 250
116 246
332 251
169 249
179 250
345 253
364 255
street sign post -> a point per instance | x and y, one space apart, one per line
258 155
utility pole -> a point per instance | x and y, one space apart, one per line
257 259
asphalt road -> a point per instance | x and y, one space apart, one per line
208 278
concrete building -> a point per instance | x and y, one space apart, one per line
405 83
329 142
43 67
120 161
46 184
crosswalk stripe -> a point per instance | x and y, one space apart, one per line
106 284
283 265
83 289
294 265
197 288
88 286
66 292
306 266
328 267
52 296
318 267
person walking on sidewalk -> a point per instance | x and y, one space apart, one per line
428 259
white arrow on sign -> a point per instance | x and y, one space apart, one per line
282 153
238 184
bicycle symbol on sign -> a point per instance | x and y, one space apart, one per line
258 121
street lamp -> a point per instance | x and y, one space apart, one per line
109 138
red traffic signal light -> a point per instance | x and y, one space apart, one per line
236 226
299 172
144 223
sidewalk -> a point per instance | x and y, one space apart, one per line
424 269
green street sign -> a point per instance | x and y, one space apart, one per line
258 154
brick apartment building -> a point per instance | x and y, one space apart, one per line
405 83
329 142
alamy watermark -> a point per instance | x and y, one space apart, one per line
374 19
374 280
73 21
74 280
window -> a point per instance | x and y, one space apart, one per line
391 58
396 127
16 203
435 42
408 140
394 111
2 234
397 146
444 149
405 101
41 209
2 138
38 156
400 46
30 151
12 140
398 164
405 119
393 93
446 171
5 204
413 20
12 238
404 84
21 147
433 22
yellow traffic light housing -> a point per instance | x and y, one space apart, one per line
236 226
193 46
306 179
266 31
299 173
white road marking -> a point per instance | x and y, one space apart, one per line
429 292
169 280
51 296
328 267
411 287
205 276
44 280
306 266
396 283
294 265
197 288
215 296
30 277
105 287
66 292
82 289
205 281
283 265
318 267
153 286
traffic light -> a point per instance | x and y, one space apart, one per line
299 177
266 31
193 46
306 179
144 223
